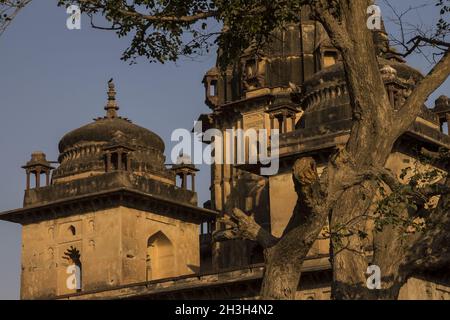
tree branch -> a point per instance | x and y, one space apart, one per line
331 25
161 17
7 6
310 213
416 41
412 106
243 226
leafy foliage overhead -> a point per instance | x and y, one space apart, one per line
163 30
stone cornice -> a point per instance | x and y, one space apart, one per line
109 199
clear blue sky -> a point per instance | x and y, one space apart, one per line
53 80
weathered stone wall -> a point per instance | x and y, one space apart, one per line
97 237
112 245
282 201
418 289
138 227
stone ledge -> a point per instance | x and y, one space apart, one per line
156 289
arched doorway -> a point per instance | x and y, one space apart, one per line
160 257
71 271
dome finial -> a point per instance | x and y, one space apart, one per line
111 106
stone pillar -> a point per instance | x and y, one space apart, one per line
119 160
233 148
217 183
272 121
226 170
38 178
216 177
447 118
47 178
28 179
238 156
279 122
183 180
129 162
239 126
293 117
193 181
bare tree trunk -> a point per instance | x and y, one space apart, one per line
348 259
389 254
284 256
281 277
375 129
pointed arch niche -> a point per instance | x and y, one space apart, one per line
160 258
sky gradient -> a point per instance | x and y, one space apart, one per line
53 80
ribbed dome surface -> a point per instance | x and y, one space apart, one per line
336 72
82 151
103 130
326 100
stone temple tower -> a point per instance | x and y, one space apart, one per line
296 84
111 208
255 93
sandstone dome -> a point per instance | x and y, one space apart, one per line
82 151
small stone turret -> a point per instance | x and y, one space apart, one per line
183 169
442 110
37 165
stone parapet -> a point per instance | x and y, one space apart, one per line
105 182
